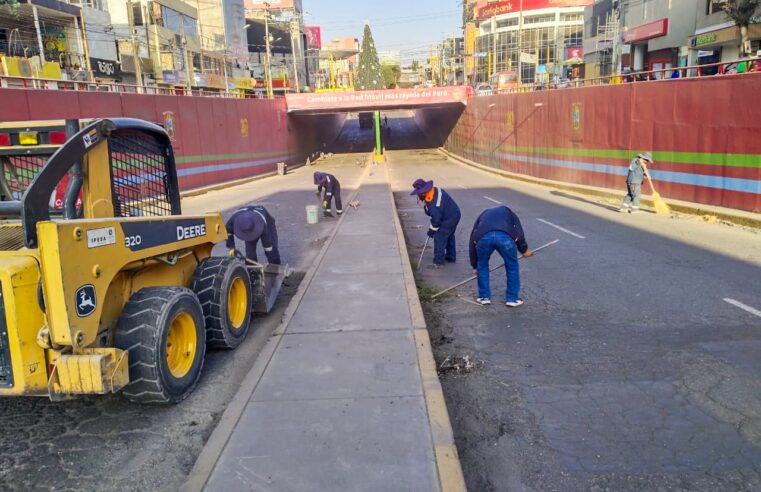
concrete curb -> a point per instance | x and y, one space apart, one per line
212 450
448 465
681 207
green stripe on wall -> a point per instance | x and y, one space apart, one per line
736 160
223 157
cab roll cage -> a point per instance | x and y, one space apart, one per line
34 204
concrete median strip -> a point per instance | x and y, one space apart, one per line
212 450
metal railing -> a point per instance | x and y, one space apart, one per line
752 65
14 82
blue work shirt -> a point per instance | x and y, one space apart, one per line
496 219
442 210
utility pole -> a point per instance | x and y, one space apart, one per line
267 67
39 34
294 27
135 50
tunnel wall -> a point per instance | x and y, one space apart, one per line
438 123
215 140
705 135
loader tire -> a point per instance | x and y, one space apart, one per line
223 287
162 330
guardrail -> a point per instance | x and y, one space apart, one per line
13 82
752 65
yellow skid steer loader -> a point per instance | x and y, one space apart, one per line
114 290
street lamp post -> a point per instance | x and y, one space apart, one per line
267 67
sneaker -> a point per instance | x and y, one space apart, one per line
514 303
435 266
484 301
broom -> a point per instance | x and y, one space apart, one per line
661 208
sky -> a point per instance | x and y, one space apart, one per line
410 26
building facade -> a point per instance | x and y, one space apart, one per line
536 39
716 38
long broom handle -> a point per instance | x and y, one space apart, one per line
420 261
491 270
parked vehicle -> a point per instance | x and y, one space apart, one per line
484 90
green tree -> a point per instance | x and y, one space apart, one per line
741 12
390 73
369 76
13 4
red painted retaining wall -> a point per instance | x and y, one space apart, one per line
215 140
705 135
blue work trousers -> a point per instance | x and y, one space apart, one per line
444 246
502 243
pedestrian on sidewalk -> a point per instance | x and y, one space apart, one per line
332 188
444 214
498 229
251 224
634 179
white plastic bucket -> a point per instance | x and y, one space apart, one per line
311 214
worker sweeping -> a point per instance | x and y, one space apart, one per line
634 179
498 229
332 189
444 214
251 224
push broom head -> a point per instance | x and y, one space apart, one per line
661 208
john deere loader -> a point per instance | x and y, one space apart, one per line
108 287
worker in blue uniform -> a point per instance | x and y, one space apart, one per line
498 229
332 188
251 224
444 214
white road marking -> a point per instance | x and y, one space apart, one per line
561 228
492 199
742 306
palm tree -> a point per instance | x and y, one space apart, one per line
742 13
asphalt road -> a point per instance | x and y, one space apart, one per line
630 367
108 443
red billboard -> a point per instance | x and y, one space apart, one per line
314 37
375 100
509 6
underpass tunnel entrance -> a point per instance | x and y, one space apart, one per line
355 132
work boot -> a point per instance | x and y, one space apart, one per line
327 214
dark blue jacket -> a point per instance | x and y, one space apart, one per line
260 214
329 183
442 210
496 219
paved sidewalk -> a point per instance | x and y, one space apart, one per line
341 404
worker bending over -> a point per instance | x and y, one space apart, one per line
498 229
250 224
332 187
444 214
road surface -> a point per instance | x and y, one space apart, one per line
635 363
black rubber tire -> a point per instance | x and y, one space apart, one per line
142 331
212 281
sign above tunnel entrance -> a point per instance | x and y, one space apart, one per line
382 99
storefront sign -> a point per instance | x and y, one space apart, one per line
574 53
314 37
245 83
170 76
647 31
214 80
105 69
703 39
509 6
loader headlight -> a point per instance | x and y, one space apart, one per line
28 138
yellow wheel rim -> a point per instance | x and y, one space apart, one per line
181 345
237 303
